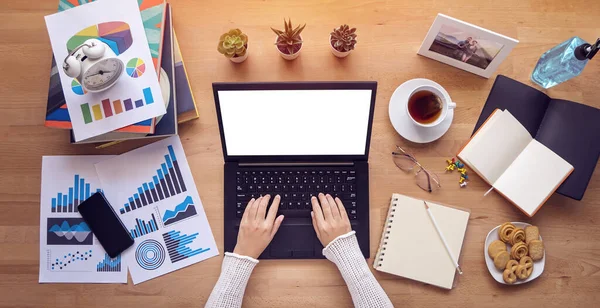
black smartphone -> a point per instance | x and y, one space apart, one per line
105 224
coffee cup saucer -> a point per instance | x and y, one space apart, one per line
404 125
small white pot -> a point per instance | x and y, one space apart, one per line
240 59
336 52
285 55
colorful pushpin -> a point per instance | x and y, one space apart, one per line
464 176
450 168
449 161
461 165
463 184
461 170
462 180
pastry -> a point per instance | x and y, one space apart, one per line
501 259
531 233
525 268
495 248
512 263
536 249
505 231
518 235
509 274
518 251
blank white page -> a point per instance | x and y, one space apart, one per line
465 152
533 176
497 147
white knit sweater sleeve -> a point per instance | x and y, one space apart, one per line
343 251
364 288
230 288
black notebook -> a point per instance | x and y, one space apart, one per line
569 129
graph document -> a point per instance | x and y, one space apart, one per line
69 252
153 192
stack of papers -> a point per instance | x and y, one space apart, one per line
153 193
164 63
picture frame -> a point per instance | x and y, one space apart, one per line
466 46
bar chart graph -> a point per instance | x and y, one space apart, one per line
68 202
109 265
142 227
106 109
166 182
177 245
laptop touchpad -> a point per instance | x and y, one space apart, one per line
293 241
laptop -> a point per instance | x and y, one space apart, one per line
296 139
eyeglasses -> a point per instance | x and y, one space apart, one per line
428 181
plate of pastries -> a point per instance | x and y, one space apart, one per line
514 253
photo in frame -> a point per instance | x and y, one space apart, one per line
466 46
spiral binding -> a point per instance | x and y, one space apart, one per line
386 232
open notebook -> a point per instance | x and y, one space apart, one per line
411 247
519 167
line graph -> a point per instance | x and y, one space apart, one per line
68 231
182 211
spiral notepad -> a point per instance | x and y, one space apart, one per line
410 245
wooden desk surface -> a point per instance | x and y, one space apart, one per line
389 35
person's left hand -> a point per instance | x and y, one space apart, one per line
256 230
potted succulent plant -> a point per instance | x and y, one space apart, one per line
289 41
234 45
342 40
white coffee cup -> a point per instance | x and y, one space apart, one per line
447 104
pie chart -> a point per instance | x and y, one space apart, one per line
135 67
77 88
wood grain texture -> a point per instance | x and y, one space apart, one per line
389 34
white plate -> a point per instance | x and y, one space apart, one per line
538 266
404 125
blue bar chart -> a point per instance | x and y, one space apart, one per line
109 265
166 182
68 202
142 227
177 245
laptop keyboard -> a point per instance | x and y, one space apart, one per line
296 187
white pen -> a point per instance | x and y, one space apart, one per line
443 239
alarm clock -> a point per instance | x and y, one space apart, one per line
95 65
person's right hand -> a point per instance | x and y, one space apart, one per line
329 219
256 229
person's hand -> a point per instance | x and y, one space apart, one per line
329 219
256 230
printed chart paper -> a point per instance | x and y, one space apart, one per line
153 191
69 252
136 96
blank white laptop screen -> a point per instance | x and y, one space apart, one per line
295 122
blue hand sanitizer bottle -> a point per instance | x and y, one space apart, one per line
563 62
